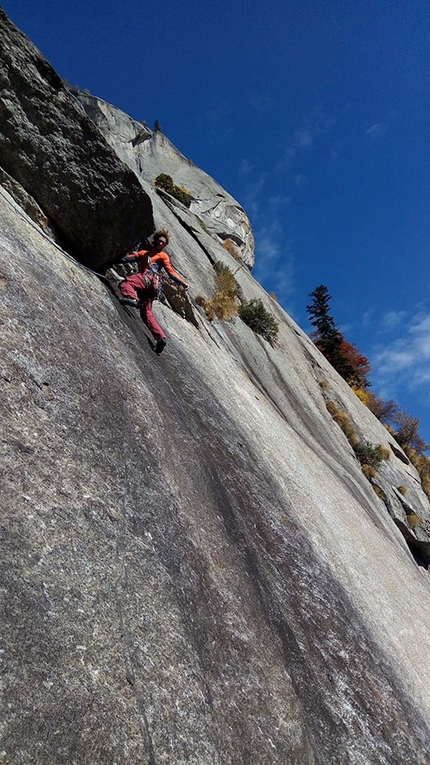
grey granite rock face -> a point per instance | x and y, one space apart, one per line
51 148
27 203
194 568
150 153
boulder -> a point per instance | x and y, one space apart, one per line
52 149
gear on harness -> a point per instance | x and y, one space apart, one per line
153 277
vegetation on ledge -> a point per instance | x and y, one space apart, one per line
165 182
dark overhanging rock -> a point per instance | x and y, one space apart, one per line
398 453
28 204
57 154
419 548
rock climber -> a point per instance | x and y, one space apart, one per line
141 289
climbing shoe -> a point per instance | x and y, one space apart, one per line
129 301
160 345
114 276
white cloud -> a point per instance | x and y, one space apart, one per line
274 263
303 138
405 361
253 201
376 130
286 160
300 180
277 201
245 166
392 319
219 122
367 318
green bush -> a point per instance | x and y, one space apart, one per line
165 182
263 323
368 454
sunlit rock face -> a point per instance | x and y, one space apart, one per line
194 567
150 153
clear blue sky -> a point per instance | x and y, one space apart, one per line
315 116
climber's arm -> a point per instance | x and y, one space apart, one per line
136 257
163 259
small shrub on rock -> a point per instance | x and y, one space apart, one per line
230 246
413 520
224 301
263 323
422 464
385 453
380 493
362 394
368 454
402 490
369 471
345 424
165 182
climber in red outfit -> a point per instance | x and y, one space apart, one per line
140 289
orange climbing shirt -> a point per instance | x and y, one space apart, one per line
157 261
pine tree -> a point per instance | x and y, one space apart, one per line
327 337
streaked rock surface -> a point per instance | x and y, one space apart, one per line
194 567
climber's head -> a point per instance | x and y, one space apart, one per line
161 239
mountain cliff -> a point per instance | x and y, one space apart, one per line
195 568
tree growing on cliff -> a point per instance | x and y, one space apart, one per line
327 337
359 363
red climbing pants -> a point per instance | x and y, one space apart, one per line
137 287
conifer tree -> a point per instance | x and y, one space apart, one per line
327 337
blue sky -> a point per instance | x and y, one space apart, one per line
314 116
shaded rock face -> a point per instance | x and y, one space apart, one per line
194 568
28 204
151 153
51 148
